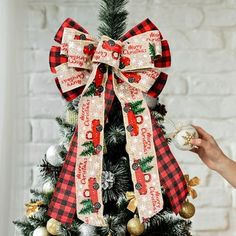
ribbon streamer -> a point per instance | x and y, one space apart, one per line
133 203
192 183
98 70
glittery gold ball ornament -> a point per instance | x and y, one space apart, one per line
71 117
135 227
183 136
53 226
188 210
40 231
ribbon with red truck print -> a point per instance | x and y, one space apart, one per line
97 71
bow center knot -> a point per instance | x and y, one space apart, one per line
108 51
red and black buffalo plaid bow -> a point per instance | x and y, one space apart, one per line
63 203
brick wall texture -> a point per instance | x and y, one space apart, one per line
201 87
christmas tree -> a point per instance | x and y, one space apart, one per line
121 208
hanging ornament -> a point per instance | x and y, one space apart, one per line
181 138
135 227
53 155
87 230
33 207
40 231
48 187
71 117
53 226
108 179
188 210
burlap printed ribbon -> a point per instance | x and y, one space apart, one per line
98 70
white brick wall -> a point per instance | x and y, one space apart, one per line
201 86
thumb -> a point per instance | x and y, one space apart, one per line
198 142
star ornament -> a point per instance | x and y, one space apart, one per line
187 138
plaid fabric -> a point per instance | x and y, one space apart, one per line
147 25
142 27
63 204
70 95
165 59
68 23
55 58
109 94
157 87
171 176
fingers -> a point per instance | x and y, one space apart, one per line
195 150
198 142
203 134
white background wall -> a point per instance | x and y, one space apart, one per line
201 86
11 110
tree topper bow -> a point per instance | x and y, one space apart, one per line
97 71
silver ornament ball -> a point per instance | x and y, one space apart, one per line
40 231
53 155
86 230
48 187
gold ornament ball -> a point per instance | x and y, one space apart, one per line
188 210
135 227
53 226
71 117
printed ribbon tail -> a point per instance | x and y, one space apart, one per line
142 157
88 174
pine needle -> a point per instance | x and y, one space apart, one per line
113 18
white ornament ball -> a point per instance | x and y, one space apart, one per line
52 155
183 136
53 226
151 101
40 231
86 229
48 187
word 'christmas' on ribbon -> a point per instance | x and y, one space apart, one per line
97 71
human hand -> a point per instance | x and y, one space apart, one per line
208 150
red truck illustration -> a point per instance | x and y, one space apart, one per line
124 61
110 45
96 87
133 120
94 135
141 178
132 77
89 49
92 193
98 82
